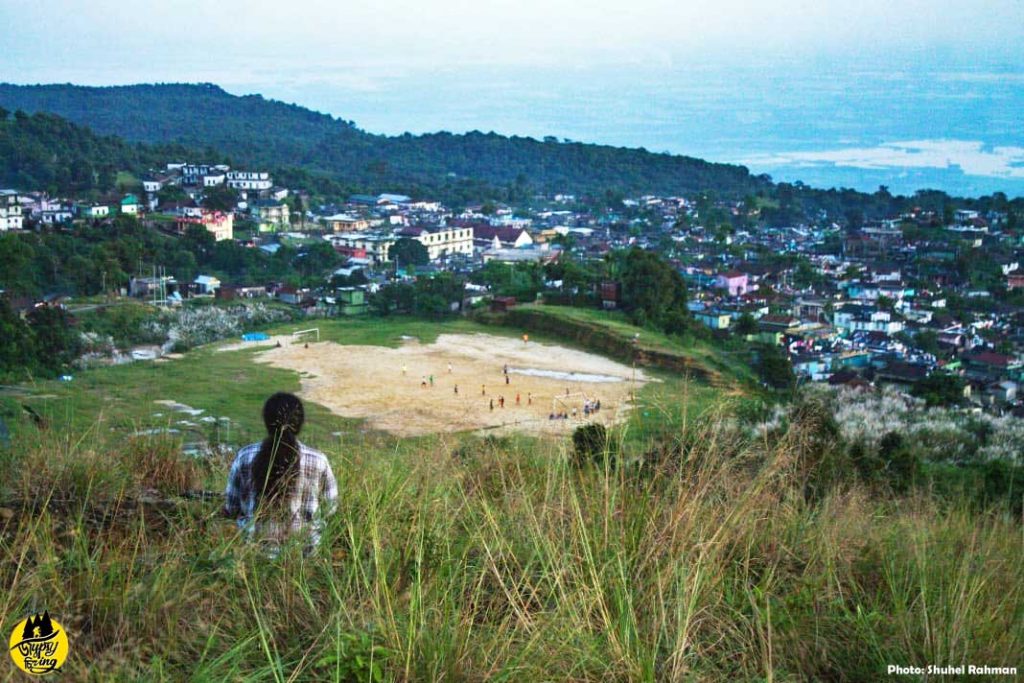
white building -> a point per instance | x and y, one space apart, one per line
56 216
11 216
214 179
249 180
195 174
850 319
441 241
377 248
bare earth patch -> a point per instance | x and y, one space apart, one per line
385 386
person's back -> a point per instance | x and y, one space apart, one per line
280 487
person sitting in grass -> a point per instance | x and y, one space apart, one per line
280 487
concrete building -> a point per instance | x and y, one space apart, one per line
271 215
441 241
11 216
376 248
249 180
221 224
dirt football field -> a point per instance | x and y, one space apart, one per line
460 382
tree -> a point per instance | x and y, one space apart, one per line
316 259
17 267
775 368
220 198
653 292
940 389
169 194
592 445
902 464
520 280
16 350
409 252
199 241
745 325
56 343
438 296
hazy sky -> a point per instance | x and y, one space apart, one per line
105 42
909 93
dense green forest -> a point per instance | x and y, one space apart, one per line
46 152
256 131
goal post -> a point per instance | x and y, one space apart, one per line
567 402
297 336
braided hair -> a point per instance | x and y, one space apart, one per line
277 461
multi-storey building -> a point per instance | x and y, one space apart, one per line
11 217
220 224
249 180
441 241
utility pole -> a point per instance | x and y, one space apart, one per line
636 341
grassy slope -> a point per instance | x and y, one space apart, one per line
469 559
499 562
702 353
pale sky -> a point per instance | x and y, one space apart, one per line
842 92
105 42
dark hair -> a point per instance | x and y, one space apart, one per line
277 462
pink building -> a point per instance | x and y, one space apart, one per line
734 282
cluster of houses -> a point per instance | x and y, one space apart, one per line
852 306
872 305
258 200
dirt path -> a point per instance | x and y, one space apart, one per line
385 386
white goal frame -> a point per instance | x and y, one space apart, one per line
296 335
564 401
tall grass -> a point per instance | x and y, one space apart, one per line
490 559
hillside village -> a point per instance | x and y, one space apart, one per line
902 300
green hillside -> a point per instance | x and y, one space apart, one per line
44 151
256 131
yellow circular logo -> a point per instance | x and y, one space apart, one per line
39 644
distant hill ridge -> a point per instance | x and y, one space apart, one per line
252 130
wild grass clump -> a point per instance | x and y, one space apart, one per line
158 464
709 553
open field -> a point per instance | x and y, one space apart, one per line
458 383
233 384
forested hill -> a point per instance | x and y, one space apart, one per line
44 151
259 132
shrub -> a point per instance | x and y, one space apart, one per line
591 444
159 464
822 460
901 462
356 657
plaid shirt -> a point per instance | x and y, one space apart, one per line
315 483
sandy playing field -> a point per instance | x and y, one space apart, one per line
386 386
